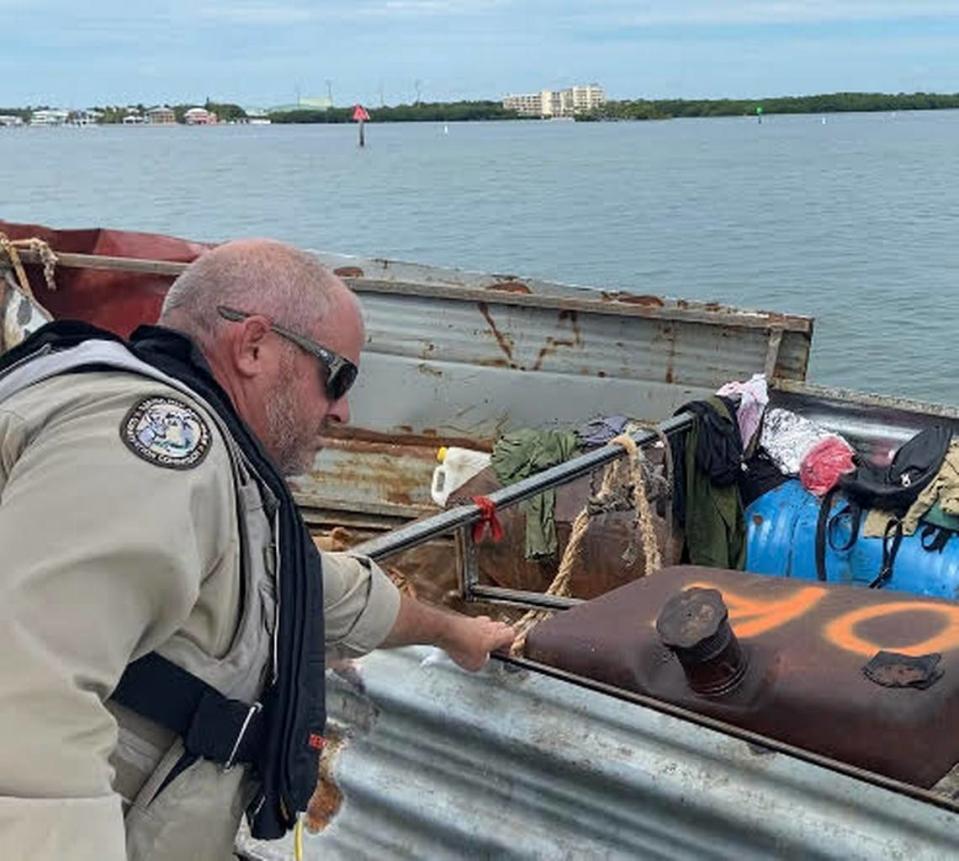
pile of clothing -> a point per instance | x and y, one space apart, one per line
738 450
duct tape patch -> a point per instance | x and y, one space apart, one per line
166 432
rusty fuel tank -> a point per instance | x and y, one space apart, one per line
867 677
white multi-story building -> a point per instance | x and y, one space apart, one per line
586 97
557 103
49 117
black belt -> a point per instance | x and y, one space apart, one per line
211 725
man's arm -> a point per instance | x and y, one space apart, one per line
365 611
467 640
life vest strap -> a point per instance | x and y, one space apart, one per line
211 725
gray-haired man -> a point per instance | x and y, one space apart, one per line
146 531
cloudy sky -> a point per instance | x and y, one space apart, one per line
261 53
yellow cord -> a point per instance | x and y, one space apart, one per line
298 839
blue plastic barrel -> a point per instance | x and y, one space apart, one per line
781 541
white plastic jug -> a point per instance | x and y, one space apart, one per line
457 466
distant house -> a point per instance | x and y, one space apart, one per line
49 117
199 117
161 115
10 120
85 118
133 118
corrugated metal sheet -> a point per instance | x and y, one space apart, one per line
372 476
438 763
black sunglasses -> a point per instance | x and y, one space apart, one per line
341 373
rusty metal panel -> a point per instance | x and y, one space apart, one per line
475 354
478 369
378 476
437 763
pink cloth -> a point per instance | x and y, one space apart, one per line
824 463
752 404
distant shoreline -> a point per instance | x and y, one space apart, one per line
644 109
614 110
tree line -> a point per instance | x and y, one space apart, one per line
417 112
225 111
661 109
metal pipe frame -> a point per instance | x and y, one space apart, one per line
461 518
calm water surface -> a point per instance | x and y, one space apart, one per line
854 221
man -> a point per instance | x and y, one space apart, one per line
161 616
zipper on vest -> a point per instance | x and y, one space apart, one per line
276 576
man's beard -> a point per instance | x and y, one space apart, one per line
293 446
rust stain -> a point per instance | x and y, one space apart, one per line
401 441
553 344
505 344
327 798
758 519
398 497
573 317
428 370
510 287
348 272
670 334
633 299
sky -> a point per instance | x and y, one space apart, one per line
261 54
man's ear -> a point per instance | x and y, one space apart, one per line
247 345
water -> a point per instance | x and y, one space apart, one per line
855 221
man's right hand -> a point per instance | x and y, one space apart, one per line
467 640
470 640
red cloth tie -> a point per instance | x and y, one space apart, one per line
488 508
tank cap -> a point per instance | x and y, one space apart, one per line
691 620
694 625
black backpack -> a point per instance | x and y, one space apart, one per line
893 488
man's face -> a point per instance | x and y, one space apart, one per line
298 408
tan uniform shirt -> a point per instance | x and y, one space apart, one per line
104 557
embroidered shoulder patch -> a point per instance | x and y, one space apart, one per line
166 432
